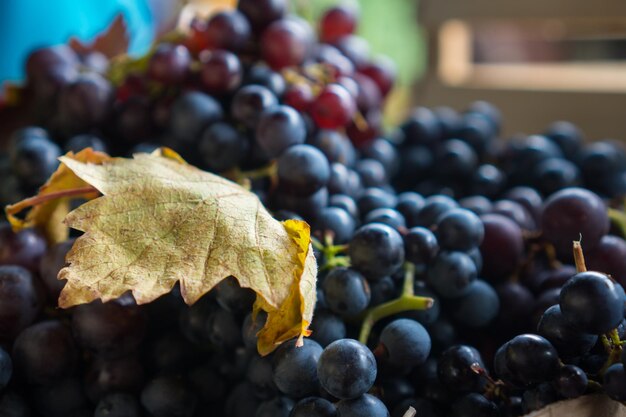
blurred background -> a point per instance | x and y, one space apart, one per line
538 61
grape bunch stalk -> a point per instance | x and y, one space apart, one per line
447 282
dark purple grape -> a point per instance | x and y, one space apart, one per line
346 291
554 174
410 204
111 329
61 399
567 137
614 382
231 297
19 304
221 72
249 103
502 248
295 368
592 302
516 305
169 63
228 30
276 407
190 114
478 306
474 405
572 213
390 217
34 159
261 376
85 103
284 43
6 368
346 369
455 159
609 257
456 369
376 250
434 207
515 212
373 198
79 142
37 345
372 172
302 170
107 376
539 397
261 13
571 381
530 359
406 342
279 128
314 407
527 197
568 340
488 180
421 127
451 274
13 404
222 147
459 229
264 76
337 221
420 245
365 405
333 108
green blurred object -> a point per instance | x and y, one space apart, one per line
389 26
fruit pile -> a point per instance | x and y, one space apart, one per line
517 317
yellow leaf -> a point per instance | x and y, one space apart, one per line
52 203
161 221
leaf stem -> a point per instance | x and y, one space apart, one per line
406 302
42 198
579 257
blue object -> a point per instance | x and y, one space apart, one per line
26 25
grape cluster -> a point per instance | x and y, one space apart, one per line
437 213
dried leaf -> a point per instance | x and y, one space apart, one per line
48 214
161 221
113 41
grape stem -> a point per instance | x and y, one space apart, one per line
411 412
406 302
618 218
613 345
579 257
42 198
331 252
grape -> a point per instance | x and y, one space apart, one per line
85 103
614 383
34 159
539 397
337 221
527 197
277 407
592 302
346 369
302 170
299 96
554 174
221 72
333 107
421 127
191 113
384 290
37 344
228 30
261 75
478 306
337 22
346 203
295 368
110 329
232 297
474 405
372 172
19 304
373 198
261 376
406 342
382 71
106 376
609 257
345 181
376 250
568 340
79 142
434 207
168 397
222 147
118 405
387 216
249 103
6 368
313 407
502 247
222 330
365 405
169 63
207 384
455 158
567 137
346 291
571 381
573 212
355 48
516 305
308 207
488 180
250 329
530 358
284 44
455 369
459 229
279 128
261 13
515 212
410 204
451 274
395 391
43 60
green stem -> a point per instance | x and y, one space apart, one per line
618 218
614 343
406 302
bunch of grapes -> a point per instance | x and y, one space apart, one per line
439 207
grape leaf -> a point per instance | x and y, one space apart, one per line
160 221
48 213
